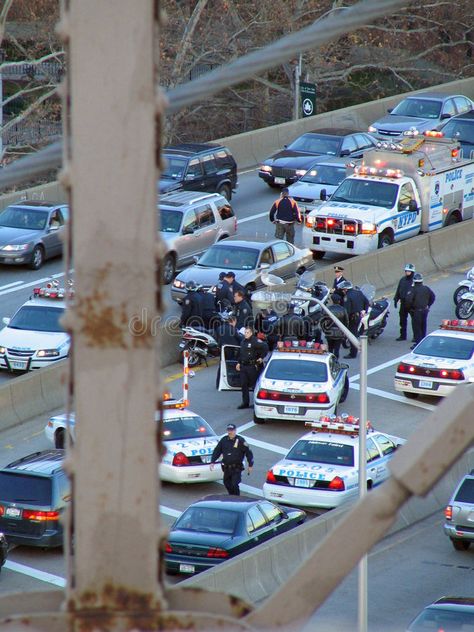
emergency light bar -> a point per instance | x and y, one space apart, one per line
52 290
458 325
338 424
373 171
301 346
434 134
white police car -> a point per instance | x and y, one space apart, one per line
34 337
321 468
188 439
300 381
440 362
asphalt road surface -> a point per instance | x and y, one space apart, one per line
406 571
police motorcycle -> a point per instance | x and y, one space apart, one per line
308 289
465 307
464 286
375 319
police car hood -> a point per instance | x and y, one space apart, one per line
309 191
311 471
28 340
431 362
291 387
192 447
347 210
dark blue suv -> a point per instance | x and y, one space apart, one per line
34 492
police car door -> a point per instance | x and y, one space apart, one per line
229 377
386 447
408 222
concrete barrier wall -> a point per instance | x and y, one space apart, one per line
255 575
52 191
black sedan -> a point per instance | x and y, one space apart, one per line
287 166
217 528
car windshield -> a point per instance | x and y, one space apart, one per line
170 221
418 108
366 192
174 167
466 492
25 488
17 217
325 452
207 520
316 144
449 347
233 258
37 318
296 370
437 619
460 130
186 427
324 174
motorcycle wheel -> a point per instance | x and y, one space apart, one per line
458 293
464 309
194 359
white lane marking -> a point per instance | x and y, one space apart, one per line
251 218
4 287
36 573
271 447
256 491
395 398
38 282
246 426
380 367
241 173
169 512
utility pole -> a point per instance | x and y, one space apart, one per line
297 71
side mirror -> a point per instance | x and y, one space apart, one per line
389 110
345 152
412 206
264 266
445 115
6 321
285 146
195 259
301 270
53 228
189 176
188 230
323 196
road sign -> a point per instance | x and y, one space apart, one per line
308 98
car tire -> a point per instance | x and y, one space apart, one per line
60 439
168 269
410 395
318 254
171 572
385 239
460 545
272 185
225 191
37 258
258 420
345 390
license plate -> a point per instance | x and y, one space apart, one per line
301 482
17 365
12 512
426 384
280 181
291 410
206 459
186 568
182 345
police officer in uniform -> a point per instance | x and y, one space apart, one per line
191 310
418 301
337 293
404 285
252 352
235 286
243 310
356 304
224 293
233 449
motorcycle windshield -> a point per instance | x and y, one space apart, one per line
306 280
368 291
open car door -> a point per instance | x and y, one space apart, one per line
229 377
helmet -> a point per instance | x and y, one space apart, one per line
192 286
409 267
417 278
470 274
345 285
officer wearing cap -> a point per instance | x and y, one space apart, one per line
404 285
224 293
418 302
337 293
234 449
235 286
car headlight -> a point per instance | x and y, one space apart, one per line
372 129
2 350
47 353
179 284
411 132
300 172
15 247
266 168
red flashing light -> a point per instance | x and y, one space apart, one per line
180 459
271 477
331 222
449 374
432 133
168 548
448 512
39 516
308 398
458 325
217 553
2 510
337 484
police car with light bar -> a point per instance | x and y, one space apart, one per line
440 362
321 468
34 337
301 380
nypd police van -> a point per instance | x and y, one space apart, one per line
401 189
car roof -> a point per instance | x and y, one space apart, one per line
252 241
331 436
336 131
189 149
304 355
45 302
325 161
185 198
175 413
45 462
37 205
449 333
469 115
224 501
438 96
460 604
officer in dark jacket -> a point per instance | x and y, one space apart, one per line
334 335
243 310
291 325
208 306
224 293
337 293
235 286
252 352
234 449
404 285
266 323
284 213
418 301
356 304
191 309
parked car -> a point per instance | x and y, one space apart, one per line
461 128
289 165
199 167
31 232
189 223
447 614
34 492
459 513
220 527
248 259
419 113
